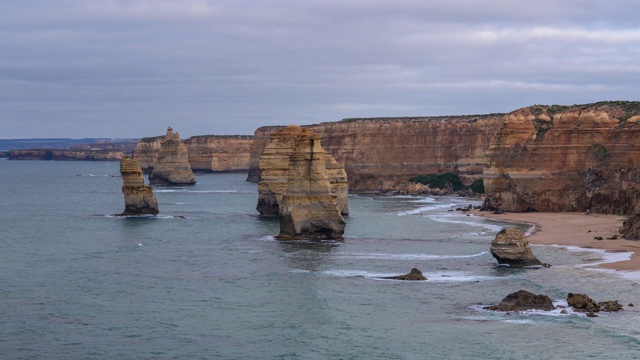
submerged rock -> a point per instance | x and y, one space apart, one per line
138 197
308 209
172 165
523 300
511 247
413 275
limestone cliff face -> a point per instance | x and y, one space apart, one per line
172 165
67 155
219 153
275 167
382 154
558 158
146 152
138 197
309 209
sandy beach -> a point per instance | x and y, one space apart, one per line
578 229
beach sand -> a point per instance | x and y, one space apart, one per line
577 229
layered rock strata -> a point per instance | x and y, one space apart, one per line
511 248
138 197
275 163
309 209
630 228
146 152
566 158
381 154
172 165
214 153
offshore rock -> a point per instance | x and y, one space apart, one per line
523 300
172 165
275 164
146 152
138 197
566 158
511 247
413 275
582 303
309 210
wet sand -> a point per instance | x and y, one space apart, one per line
577 229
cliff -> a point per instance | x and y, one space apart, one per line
138 197
381 154
207 153
213 153
275 162
308 209
68 154
146 152
172 165
566 158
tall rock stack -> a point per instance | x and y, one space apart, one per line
511 248
309 209
274 168
172 165
138 197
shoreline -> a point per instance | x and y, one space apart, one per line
578 230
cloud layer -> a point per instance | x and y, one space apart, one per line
107 68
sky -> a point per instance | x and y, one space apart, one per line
129 69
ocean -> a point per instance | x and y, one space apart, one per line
206 280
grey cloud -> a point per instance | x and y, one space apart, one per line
129 68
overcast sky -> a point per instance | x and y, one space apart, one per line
115 68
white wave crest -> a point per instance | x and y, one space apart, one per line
424 209
407 256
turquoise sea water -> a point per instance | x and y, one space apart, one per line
78 283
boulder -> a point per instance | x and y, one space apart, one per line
308 209
172 165
511 248
413 275
523 300
612 305
582 303
138 197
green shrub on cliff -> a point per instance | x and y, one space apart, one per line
477 186
440 181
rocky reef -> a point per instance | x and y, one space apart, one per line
172 165
566 158
216 153
275 164
138 197
381 154
413 275
511 248
523 300
308 208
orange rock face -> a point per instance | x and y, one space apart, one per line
211 153
557 158
138 197
382 154
146 152
275 165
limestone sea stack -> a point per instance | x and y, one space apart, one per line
511 248
309 210
138 197
274 169
172 165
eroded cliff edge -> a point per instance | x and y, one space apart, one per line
207 153
566 158
381 154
